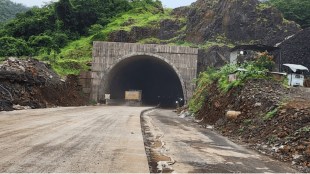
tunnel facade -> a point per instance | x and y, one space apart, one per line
163 73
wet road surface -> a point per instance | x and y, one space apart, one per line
182 146
69 140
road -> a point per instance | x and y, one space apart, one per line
181 146
68 140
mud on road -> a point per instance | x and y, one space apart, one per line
174 144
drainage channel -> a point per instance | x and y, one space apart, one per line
154 146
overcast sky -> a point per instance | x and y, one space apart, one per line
166 3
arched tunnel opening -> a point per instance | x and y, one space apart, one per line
157 80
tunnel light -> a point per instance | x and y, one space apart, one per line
243 52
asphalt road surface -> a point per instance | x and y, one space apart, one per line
187 148
69 140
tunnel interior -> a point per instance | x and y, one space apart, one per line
158 81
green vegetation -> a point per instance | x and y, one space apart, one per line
251 70
146 16
247 121
53 26
151 40
272 139
295 10
13 47
62 32
271 114
9 9
304 129
79 52
263 6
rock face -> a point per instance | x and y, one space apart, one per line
240 21
215 56
296 50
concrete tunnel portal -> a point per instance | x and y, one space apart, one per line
164 73
157 79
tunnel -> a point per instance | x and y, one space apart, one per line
157 80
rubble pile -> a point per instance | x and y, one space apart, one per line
32 84
271 119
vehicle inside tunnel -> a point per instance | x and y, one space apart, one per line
156 79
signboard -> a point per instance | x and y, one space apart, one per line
133 95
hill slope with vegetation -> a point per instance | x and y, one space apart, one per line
9 9
62 32
298 10
256 109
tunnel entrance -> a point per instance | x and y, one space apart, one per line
158 81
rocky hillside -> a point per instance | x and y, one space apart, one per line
239 21
9 9
271 119
214 26
218 21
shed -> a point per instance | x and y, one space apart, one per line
243 50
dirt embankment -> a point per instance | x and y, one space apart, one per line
274 120
32 84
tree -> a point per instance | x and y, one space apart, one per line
10 46
42 43
34 22
295 10
66 13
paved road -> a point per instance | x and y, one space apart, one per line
199 150
68 140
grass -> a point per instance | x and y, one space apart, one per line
134 18
254 70
262 6
73 58
304 129
151 40
247 121
271 114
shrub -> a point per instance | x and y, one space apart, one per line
252 70
270 114
10 46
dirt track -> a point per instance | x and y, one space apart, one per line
68 140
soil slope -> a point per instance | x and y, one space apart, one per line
274 120
32 84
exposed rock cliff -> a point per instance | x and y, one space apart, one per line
240 21
296 49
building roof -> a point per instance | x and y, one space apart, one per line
295 67
257 47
